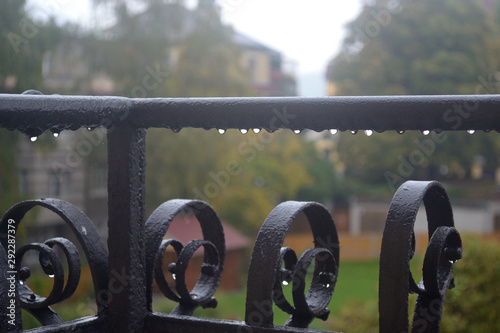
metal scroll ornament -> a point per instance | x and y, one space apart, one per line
266 273
398 248
213 261
51 263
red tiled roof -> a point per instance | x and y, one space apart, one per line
185 228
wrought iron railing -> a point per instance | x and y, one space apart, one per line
136 247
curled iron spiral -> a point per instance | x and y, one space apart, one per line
91 243
213 261
398 247
266 274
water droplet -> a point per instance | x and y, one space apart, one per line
354 132
333 131
55 134
285 282
401 132
33 138
426 132
256 130
243 131
51 276
296 131
368 132
173 275
471 131
221 131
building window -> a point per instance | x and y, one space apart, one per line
99 177
24 182
59 182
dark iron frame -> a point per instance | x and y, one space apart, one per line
129 308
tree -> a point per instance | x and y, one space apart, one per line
208 60
24 43
418 48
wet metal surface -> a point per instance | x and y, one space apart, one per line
124 272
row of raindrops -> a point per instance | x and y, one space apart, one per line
368 132
258 130
55 134
335 131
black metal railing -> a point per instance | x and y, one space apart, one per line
136 247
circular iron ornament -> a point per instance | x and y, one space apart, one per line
313 305
92 245
208 281
266 273
284 276
52 266
398 248
158 270
213 260
445 248
50 260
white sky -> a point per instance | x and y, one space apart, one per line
307 31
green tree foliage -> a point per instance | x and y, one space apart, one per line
474 305
418 48
136 46
242 176
208 62
19 70
24 42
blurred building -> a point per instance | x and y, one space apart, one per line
68 68
266 68
64 172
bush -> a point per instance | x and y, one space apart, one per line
474 305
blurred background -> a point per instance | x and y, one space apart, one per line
208 48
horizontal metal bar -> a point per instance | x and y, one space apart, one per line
34 113
158 322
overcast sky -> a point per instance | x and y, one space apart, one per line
308 32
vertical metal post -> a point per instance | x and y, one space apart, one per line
126 200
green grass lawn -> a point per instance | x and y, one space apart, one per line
357 282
